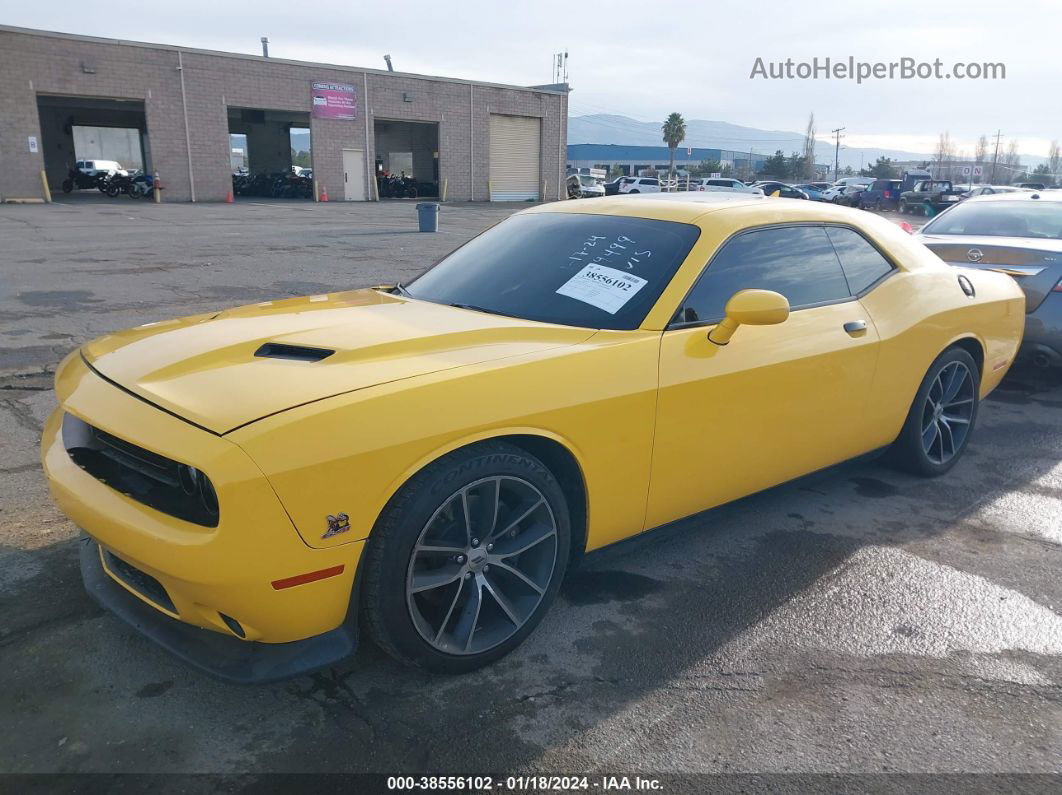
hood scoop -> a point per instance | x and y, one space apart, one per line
295 353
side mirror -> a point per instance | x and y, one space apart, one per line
751 308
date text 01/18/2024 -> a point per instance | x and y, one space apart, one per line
529 783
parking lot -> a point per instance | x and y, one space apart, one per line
857 620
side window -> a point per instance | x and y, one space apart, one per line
797 261
863 264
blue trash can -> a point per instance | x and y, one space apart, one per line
428 216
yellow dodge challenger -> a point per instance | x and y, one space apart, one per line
427 460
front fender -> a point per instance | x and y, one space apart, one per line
350 454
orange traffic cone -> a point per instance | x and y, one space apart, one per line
324 193
228 197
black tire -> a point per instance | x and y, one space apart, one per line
68 185
633 191
111 190
387 615
903 207
908 451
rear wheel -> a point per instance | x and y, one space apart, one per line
941 418
466 559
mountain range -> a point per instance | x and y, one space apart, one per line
602 128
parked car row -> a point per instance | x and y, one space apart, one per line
625 185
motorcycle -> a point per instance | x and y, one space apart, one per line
79 179
118 184
143 187
392 187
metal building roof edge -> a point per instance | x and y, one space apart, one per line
262 59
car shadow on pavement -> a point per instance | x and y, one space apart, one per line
656 614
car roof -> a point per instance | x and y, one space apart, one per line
689 207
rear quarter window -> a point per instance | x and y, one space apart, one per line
863 264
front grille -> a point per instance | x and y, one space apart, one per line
149 478
140 581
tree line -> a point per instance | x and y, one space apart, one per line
1000 166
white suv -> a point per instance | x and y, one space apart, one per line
94 167
639 185
722 183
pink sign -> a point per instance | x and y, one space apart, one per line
334 101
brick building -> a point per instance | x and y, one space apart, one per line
467 139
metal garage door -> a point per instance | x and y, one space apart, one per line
515 143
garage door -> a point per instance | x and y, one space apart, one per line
515 144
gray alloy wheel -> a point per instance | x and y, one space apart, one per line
947 412
481 565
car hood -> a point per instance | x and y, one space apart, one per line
205 368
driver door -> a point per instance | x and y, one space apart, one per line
778 401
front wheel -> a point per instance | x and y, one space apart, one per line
68 185
941 418
466 559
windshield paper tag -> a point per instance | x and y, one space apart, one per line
603 287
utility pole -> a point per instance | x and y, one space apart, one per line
995 157
836 151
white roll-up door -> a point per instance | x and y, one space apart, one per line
515 144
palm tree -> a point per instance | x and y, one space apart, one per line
674 129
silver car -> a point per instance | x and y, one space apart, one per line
1017 233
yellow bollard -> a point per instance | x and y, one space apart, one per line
445 183
47 191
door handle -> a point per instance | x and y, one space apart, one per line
854 327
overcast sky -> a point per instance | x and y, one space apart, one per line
644 59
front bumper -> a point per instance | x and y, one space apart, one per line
227 658
232 581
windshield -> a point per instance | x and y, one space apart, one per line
1000 219
592 271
